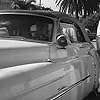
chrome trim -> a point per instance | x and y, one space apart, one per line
68 89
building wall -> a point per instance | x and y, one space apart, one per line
4 1
5 4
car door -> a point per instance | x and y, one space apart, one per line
90 61
69 86
79 64
88 56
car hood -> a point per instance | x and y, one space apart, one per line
14 52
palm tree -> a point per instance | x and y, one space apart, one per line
78 7
28 4
24 4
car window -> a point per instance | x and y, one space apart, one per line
69 31
72 32
28 26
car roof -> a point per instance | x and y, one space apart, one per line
53 14
50 14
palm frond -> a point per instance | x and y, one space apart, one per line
64 5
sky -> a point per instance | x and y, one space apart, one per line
48 3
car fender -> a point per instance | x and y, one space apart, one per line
18 80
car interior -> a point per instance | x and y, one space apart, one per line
36 27
72 32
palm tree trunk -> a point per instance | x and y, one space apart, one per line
84 16
77 14
76 10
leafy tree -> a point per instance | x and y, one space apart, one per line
78 7
46 8
92 22
27 4
24 4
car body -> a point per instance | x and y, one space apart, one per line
39 62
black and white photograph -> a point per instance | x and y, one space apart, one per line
49 49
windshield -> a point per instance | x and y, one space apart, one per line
27 26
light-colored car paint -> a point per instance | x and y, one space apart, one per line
44 71
66 76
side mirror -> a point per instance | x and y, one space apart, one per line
62 41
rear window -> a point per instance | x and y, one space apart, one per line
28 26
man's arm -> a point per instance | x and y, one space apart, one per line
98 29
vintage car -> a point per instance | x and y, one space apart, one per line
40 60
